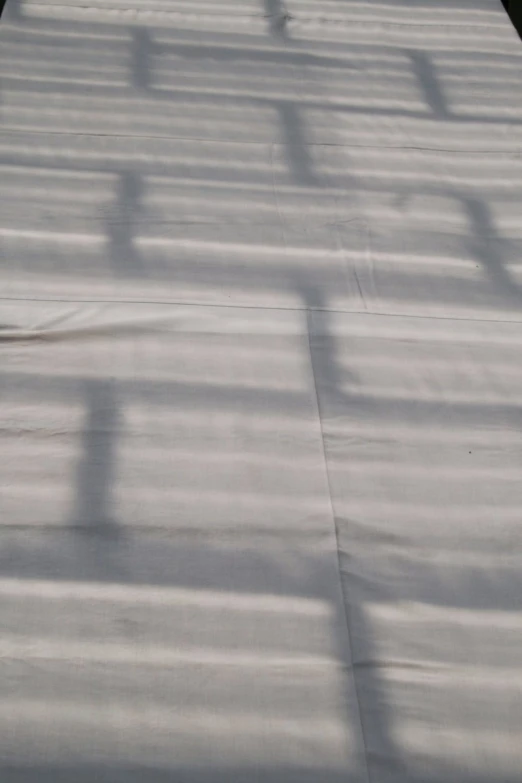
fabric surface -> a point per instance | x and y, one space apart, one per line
261 389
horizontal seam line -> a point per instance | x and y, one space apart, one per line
223 306
204 140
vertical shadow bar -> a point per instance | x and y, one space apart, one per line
95 473
277 16
424 71
486 246
120 225
295 145
141 50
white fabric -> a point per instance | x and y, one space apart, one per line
261 391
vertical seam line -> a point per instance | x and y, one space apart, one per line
337 548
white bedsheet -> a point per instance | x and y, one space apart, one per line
261 392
